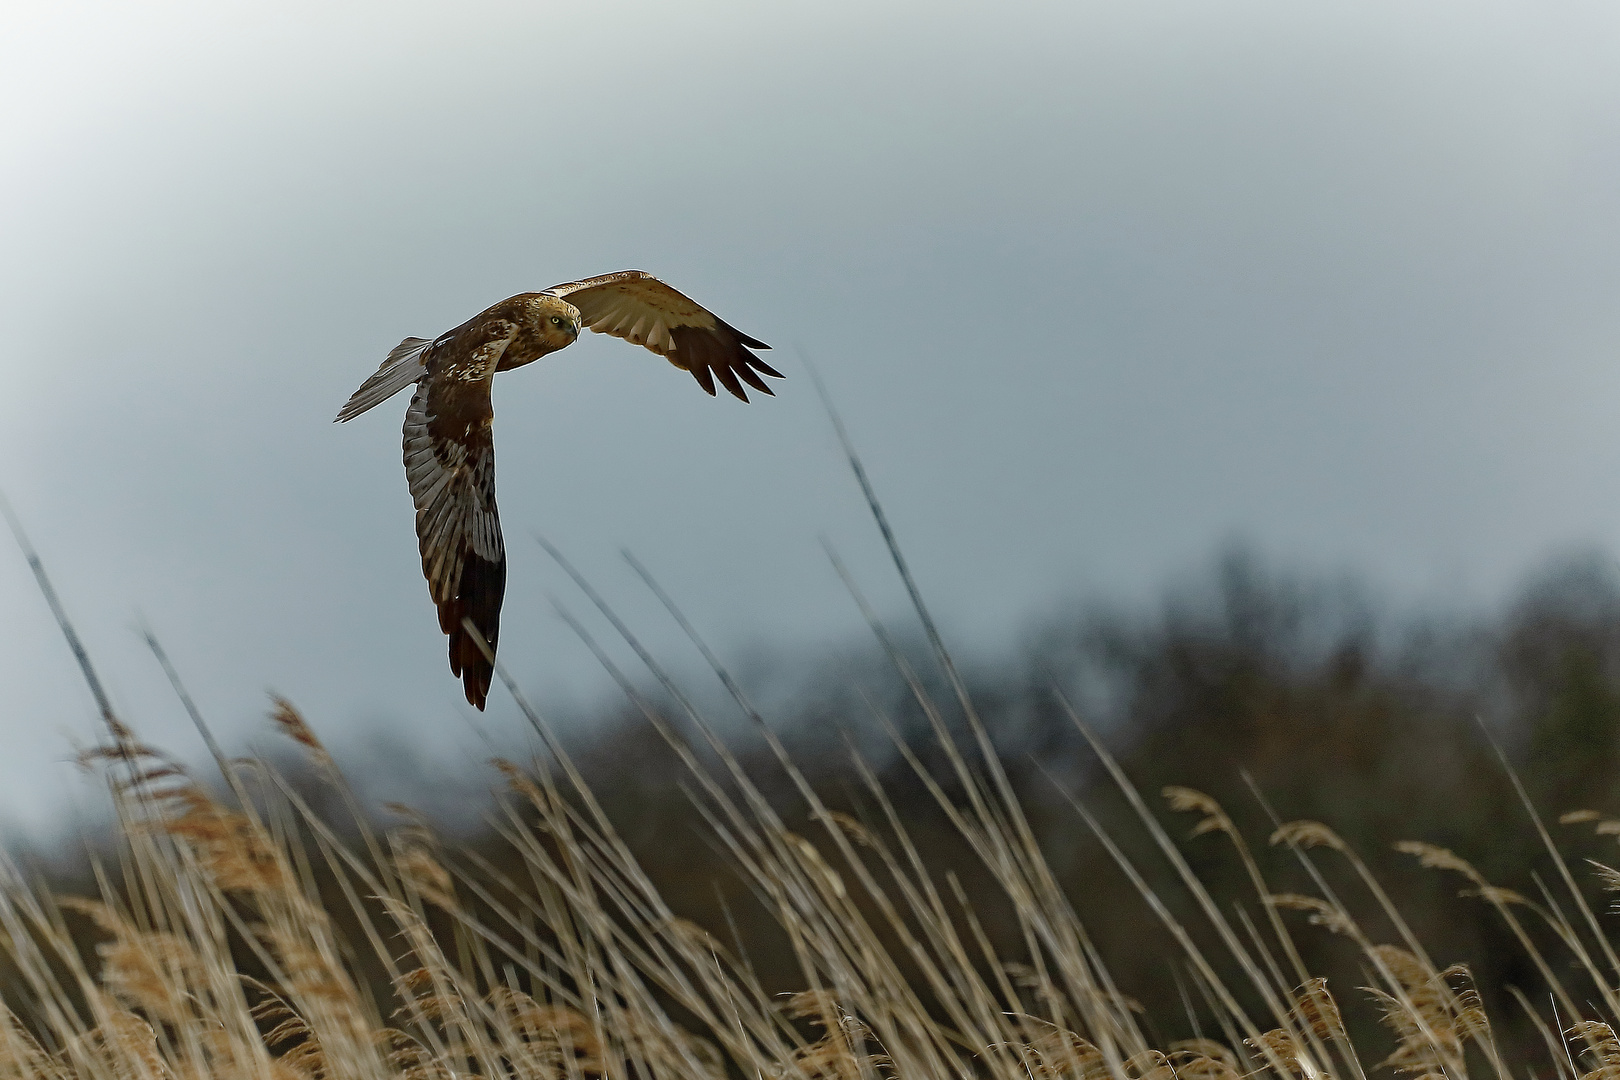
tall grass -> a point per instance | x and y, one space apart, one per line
242 933
218 950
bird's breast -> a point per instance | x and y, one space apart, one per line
527 347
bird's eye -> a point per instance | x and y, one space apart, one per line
556 320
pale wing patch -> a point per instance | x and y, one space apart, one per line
635 306
644 311
403 367
620 316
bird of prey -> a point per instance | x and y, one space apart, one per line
449 452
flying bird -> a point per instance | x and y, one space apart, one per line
449 449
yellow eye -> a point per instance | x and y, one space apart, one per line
556 320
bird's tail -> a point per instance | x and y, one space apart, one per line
403 367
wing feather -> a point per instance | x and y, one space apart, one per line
404 366
644 311
450 467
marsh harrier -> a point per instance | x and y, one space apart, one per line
449 451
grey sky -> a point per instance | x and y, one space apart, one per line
1097 285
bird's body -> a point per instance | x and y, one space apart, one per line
449 446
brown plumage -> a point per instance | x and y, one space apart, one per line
449 449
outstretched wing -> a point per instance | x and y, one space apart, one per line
450 465
644 311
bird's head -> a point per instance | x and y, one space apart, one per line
558 321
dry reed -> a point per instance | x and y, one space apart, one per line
216 950
230 937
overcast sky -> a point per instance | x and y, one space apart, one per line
1098 286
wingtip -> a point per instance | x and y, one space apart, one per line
765 369
468 662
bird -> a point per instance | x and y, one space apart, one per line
449 447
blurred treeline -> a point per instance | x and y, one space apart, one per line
1245 683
